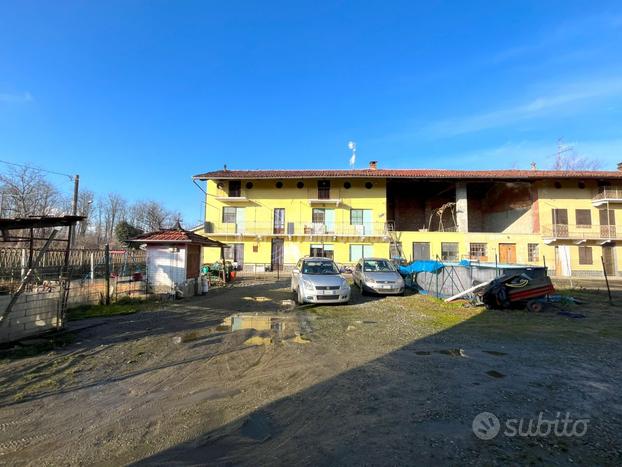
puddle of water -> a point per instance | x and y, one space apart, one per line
495 374
268 329
495 353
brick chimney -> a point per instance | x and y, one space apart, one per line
373 165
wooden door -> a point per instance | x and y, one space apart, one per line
507 253
277 254
609 260
421 250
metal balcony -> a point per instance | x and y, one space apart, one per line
607 195
299 229
580 233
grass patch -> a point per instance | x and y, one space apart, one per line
124 306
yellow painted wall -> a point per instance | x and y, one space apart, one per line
571 197
492 241
266 197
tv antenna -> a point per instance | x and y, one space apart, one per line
352 147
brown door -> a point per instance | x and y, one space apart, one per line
607 223
277 254
609 260
507 253
560 222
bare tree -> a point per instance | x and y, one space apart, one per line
85 208
26 193
150 216
114 207
567 158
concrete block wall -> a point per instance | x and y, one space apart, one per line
34 313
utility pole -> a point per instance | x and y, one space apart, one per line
74 208
74 204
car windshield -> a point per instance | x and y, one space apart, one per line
378 265
319 267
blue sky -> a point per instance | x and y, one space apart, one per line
137 96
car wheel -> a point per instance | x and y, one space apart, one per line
299 299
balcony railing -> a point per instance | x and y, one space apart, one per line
377 229
612 194
582 232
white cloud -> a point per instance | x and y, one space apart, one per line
519 155
577 93
16 98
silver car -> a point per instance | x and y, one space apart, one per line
317 280
379 276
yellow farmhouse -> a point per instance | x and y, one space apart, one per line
566 220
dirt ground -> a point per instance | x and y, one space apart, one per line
239 378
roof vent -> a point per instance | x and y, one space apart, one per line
534 166
620 166
373 165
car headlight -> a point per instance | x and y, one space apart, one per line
369 280
307 284
345 285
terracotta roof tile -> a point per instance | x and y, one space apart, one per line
176 236
410 173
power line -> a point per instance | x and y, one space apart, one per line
71 177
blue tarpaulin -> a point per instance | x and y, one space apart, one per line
422 266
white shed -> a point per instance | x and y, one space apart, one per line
174 259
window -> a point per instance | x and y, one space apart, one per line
356 216
229 215
235 188
478 251
584 218
323 221
449 251
560 216
362 219
360 251
323 189
318 215
533 252
235 253
326 251
585 255
279 221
